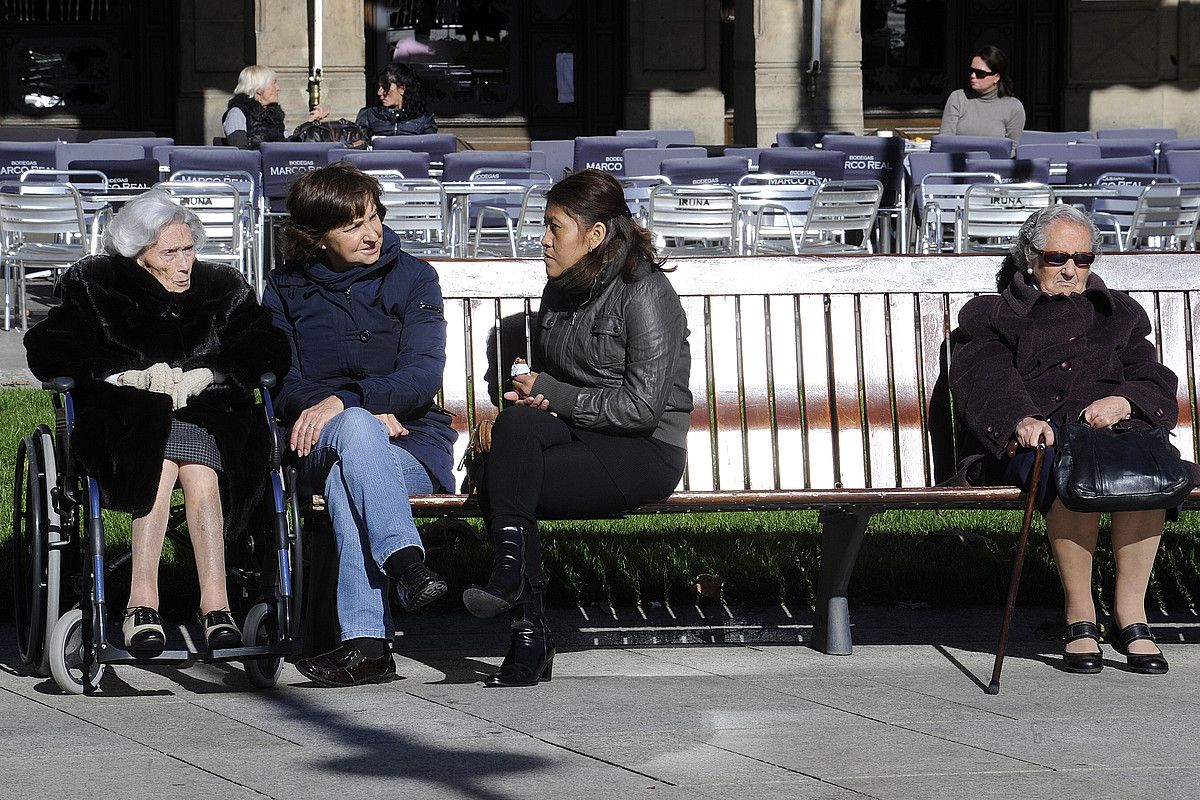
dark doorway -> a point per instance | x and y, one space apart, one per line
915 52
94 66
554 68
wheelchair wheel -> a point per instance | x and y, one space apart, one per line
259 630
66 654
30 525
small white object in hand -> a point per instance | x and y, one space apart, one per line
519 367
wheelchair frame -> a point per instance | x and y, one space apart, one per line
50 503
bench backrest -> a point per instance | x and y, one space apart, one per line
809 372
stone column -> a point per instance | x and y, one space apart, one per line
282 42
772 53
675 67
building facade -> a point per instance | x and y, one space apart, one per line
500 73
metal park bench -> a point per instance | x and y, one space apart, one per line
817 382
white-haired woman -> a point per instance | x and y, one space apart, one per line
165 352
1057 345
254 115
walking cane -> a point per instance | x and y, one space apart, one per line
1015 581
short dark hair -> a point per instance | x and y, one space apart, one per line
321 200
998 63
404 75
590 196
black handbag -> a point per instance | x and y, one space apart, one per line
343 131
1122 468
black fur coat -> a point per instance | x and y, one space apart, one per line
116 316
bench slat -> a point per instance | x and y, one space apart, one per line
847 386
818 416
789 410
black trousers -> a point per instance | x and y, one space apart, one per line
540 467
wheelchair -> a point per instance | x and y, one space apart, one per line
59 567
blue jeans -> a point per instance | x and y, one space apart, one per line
368 481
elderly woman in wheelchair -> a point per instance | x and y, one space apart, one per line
165 352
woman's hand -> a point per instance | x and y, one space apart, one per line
312 421
394 428
522 385
1107 411
319 113
1029 429
536 401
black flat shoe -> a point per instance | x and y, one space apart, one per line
530 658
418 586
220 631
1083 663
1143 663
347 666
143 631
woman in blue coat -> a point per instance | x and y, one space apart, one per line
368 349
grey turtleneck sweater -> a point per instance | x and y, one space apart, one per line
983 115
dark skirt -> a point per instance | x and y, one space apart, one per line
189 443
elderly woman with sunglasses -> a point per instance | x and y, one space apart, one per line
1055 346
989 107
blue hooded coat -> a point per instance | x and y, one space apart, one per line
375 337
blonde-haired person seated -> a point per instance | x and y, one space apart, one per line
254 115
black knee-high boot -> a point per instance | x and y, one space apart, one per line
530 656
508 574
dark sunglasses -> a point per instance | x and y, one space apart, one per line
981 73
1057 258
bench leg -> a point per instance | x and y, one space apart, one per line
841 535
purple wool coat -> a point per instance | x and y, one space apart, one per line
1025 353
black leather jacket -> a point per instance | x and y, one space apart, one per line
616 359
380 121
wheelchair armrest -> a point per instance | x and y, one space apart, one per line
62 385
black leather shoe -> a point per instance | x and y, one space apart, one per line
1144 663
143 631
530 658
220 631
346 666
418 586
1083 663
507 578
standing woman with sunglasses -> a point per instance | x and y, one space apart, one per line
1055 346
989 107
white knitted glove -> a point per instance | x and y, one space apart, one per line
159 378
191 383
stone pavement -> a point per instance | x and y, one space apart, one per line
13 370
904 717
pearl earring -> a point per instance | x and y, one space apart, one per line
1029 270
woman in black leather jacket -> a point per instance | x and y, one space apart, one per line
600 426
402 111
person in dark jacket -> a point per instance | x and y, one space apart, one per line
1055 346
402 112
600 426
368 348
165 352
254 115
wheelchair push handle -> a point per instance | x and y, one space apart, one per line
267 380
62 385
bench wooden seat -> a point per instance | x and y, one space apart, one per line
818 382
